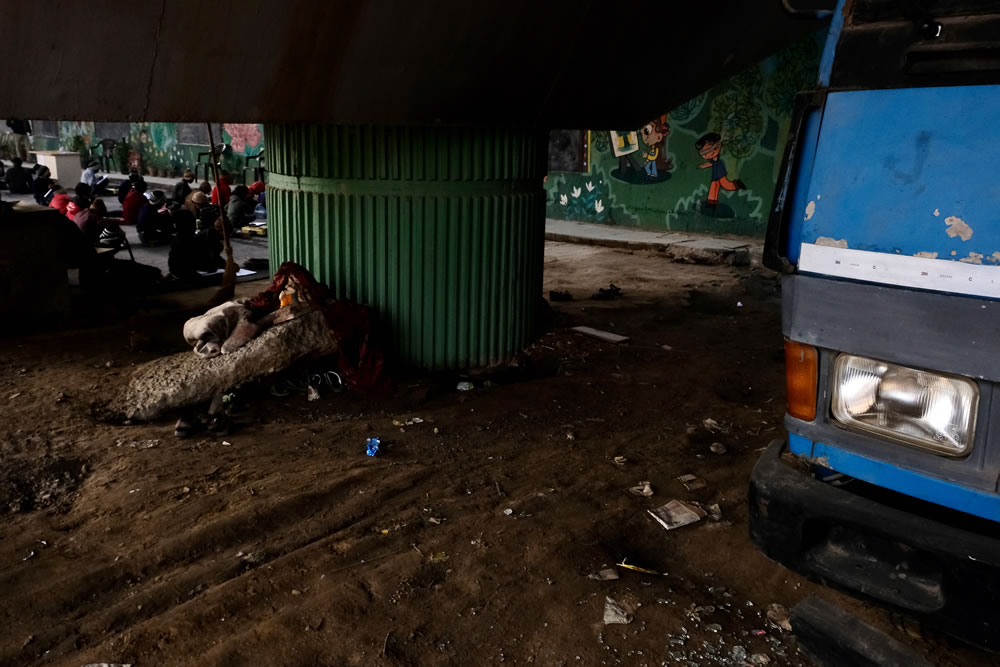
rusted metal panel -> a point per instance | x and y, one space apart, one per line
441 229
565 63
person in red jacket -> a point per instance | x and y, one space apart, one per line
81 202
134 202
223 190
60 200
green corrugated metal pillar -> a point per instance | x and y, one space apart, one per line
441 229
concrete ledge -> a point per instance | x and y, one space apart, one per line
680 247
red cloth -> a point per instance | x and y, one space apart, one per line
360 358
60 201
257 187
133 204
226 192
72 209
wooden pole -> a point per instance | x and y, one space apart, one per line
227 290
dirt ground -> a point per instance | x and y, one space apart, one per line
469 541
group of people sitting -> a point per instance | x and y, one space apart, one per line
189 220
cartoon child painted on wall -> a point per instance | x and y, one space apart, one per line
654 135
709 147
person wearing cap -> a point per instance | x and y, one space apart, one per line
183 187
126 186
153 224
90 177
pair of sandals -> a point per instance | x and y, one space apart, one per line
188 425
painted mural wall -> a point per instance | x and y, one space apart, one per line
710 165
164 149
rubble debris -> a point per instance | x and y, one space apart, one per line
717 448
615 613
642 489
692 482
138 444
606 336
407 422
711 425
372 446
778 616
677 513
607 574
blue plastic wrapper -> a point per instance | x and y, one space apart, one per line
373 445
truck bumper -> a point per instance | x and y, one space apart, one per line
884 547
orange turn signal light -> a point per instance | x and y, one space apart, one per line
801 379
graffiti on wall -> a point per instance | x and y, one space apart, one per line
710 164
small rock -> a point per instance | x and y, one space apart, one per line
778 615
296 591
717 448
760 659
607 574
508 511
714 627
570 435
615 613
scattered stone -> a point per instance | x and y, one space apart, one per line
717 448
620 460
570 435
607 574
714 627
615 613
778 616
642 489
760 659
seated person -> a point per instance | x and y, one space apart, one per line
154 224
91 221
204 212
60 199
135 200
183 261
80 201
126 186
223 189
241 207
183 187
90 177
43 186
19 179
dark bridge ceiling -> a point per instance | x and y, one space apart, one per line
547 63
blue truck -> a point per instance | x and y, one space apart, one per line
887 223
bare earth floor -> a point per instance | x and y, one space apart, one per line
467 542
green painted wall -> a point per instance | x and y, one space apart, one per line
751 112
160 145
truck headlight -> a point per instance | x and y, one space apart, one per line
929 410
